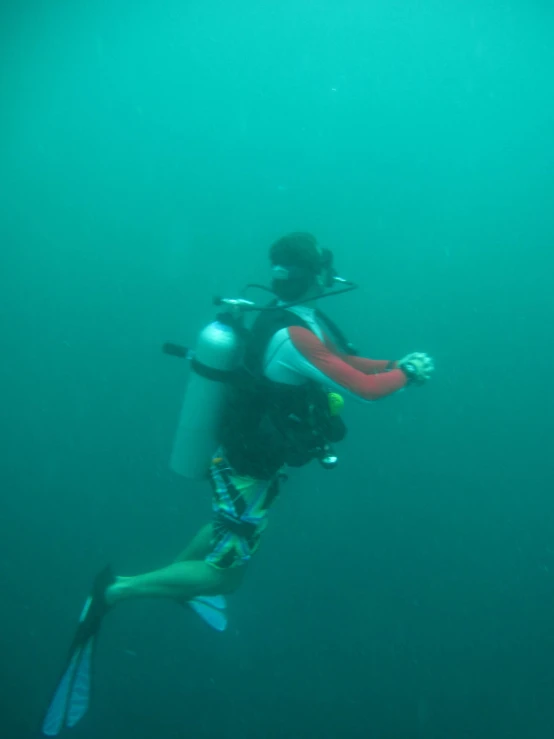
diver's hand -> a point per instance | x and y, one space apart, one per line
417 366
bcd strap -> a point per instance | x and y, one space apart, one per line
212 374
236 525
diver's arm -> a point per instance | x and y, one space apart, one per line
369 366
298 350
363 364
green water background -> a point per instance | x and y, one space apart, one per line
150 154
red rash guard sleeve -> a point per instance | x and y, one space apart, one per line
327 365
369 366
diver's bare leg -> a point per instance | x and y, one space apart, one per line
199 547
180 581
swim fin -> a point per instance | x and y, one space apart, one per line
71 697
211 609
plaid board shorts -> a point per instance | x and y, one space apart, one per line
240 505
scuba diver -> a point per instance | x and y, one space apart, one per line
259 401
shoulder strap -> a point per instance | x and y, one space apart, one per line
264 328
336 334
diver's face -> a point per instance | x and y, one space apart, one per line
328 275
327 271
318 287
325 277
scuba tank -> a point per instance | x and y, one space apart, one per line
218 354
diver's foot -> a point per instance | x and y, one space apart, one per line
96 605
116 591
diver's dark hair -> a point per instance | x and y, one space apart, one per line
298 249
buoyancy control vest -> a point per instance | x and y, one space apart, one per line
267 424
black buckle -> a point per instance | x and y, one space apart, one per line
244 529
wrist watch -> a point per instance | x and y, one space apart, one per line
410 371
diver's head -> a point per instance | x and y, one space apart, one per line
300 268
